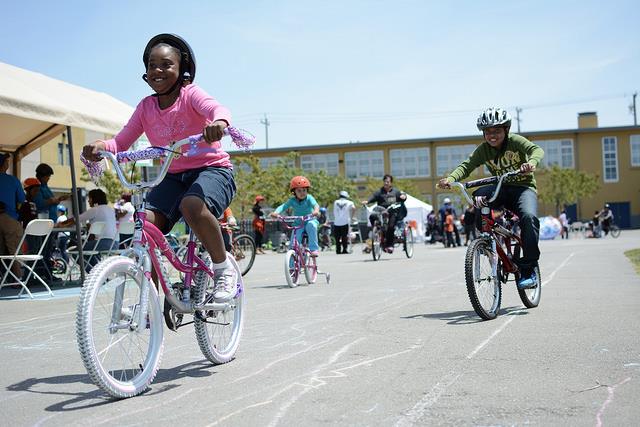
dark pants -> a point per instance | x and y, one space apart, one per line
258 238
522 201
469 231
341 233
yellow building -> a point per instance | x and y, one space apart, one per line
612 153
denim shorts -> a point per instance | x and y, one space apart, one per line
213 185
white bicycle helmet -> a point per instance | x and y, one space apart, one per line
446 200
492 117
344 194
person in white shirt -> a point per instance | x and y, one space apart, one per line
102 212
124 214
565 224
343 212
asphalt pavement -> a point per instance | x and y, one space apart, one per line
392 342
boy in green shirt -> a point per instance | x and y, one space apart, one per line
502 152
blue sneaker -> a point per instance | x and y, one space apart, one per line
528 282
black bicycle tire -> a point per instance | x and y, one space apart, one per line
253 254
471 290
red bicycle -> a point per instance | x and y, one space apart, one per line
493 255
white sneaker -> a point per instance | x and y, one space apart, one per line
226 284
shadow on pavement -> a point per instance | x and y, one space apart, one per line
63 386
465 317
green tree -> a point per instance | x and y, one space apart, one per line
562 186
273 184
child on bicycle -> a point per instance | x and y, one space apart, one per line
302 203
502 152
198 187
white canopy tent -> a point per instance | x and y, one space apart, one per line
417 210
35 108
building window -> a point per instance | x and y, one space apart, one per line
449 157
557 152
267 162
610 158
63 153
634 142
359 164
318 162
410 163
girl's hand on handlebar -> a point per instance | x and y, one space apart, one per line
214 131
527 168
90 151
444 184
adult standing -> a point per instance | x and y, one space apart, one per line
11 196
258 223
343 213
564 221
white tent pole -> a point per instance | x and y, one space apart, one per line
75 205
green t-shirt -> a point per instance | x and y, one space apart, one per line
515 151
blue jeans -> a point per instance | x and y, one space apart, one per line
522 201
311 227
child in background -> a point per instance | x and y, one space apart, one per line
28 210
198 187
302 203
258 223
448 227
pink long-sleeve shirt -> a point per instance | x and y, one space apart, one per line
191 112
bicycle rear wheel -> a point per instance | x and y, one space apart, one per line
614 230
291 272
376 242
218 332
407 244
121 357
531 297
483 285
244 251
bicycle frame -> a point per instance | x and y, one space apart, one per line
296 246
147 238
503 240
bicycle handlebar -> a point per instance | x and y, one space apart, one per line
484 181
240 138
285 220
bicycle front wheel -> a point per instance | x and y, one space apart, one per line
376 243
483 283
244 251
218 332
121 355
614 230
407 244
291 272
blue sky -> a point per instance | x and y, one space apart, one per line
338 71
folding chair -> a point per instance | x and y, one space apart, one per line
97 229
127 229
40 228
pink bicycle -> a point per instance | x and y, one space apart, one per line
119 316
298 258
